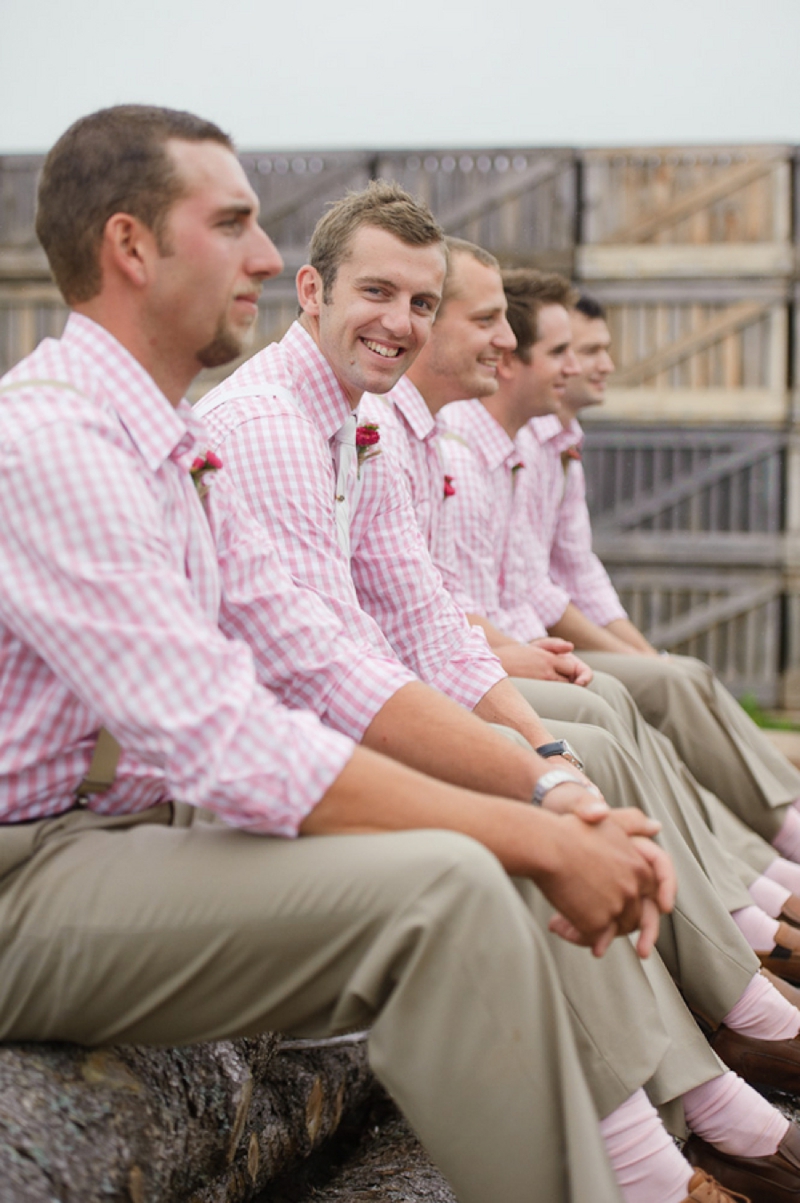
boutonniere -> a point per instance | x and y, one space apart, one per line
200 465
449 487
571 453
367 439
516 467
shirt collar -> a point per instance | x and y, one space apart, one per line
549 432
486 436
154 425
409 401
315 382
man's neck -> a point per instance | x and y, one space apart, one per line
158 360
433 391
311 326
505 413
568 412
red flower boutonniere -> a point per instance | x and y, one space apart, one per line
367 439
449 487
516 467
200 465
572 453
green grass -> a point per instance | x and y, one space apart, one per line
763 718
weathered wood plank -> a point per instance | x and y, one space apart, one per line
690 260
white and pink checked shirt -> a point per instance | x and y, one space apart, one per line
485 518
409 435
123 604
557 518
279 452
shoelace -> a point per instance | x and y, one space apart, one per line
713 1191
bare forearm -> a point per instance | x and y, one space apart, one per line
494 636
427 731
623 628
587 635
505 705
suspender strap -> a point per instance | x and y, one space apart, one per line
103 768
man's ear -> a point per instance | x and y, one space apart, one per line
507 365
309 290
128 247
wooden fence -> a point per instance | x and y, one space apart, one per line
694 460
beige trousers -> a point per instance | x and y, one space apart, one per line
133 929
729 851
701 946
720 744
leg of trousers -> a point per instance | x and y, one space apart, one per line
724 749
703 949
606 703
130 929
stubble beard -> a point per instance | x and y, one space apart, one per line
224 346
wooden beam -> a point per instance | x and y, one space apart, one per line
759 406
703 618
674 549
508 188
699 197
731 321
686 261
638 510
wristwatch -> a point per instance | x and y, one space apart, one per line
560 747
549 781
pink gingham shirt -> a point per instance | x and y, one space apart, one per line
280 454
409 435
558 518
123 604
486 519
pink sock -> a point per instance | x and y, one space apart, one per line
787 841
785 872
763 1013
730 1115
643 1156
758 929
769 895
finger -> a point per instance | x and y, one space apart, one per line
605 940
560 926
634 822
664 870
592 810
584 676
648 933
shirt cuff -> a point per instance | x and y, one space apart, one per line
471 671
362 692
550 602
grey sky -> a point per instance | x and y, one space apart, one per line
314 73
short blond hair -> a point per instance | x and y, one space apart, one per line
382 204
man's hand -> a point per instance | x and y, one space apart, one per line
612 880
540 664
584 800
569 666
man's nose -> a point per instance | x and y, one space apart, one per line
396 317
606 363
570 366
505 339
264 259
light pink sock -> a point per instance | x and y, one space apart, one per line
730 1115
787 841
758 929
763 1013
785 872
643 1156
769 895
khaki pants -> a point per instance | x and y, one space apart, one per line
703 949
722 747
132 929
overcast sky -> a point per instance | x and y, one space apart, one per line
314 73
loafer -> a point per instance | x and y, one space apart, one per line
774 1179
705 1189
783 962
791 911
786 989
773 1063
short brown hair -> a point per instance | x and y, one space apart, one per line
113 161
528 292
460 246
383 204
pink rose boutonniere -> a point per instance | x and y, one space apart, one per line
449 487
570 453
200 465
367 439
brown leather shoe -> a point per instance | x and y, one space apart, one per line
791 911
774 1063
789 992
784 958
705 1189
774 1179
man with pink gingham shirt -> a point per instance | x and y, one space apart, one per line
138 597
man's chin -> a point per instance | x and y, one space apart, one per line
222 349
